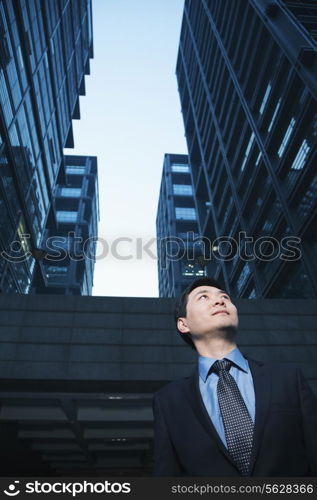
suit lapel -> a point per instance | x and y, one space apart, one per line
262 388
194 397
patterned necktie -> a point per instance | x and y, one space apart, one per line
236 419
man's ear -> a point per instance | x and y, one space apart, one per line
182 325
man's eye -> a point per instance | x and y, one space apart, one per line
226 297
204 295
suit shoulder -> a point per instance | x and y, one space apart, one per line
275 367
289 368
171 388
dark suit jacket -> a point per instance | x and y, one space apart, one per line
285 435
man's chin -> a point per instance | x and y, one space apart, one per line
227 330
223 321
222 330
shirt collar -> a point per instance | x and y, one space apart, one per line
204 363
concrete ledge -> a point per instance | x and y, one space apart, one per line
110 339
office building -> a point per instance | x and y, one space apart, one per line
45 50
246 74
178 240
67 265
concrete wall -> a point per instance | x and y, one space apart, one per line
121 341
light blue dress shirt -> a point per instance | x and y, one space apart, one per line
208 387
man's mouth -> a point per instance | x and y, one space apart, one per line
222 311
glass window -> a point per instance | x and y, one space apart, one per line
62 241
42 182
258 159
30 116
20 57
286 137
293 282
274 115
5 51
192 269
272 216
56 270
24 237
76 170
179 167
5 101
23 277
52 150
308 201
25 134
252 294
183 189
300 158
185 213
245 273
66 216
8 284
70 192
297 165
56 274
265 98
190 236
247 151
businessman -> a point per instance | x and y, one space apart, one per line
233 416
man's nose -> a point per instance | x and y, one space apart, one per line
218 300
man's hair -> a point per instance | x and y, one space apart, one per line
181 304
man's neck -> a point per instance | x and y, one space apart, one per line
216 348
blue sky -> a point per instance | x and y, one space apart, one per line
130 117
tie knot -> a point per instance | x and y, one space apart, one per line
221 365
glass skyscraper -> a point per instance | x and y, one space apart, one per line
178 240
246 73
69 246
44 56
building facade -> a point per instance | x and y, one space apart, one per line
68 247
45 50
178 238
246 73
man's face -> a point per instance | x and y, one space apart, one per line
208 309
